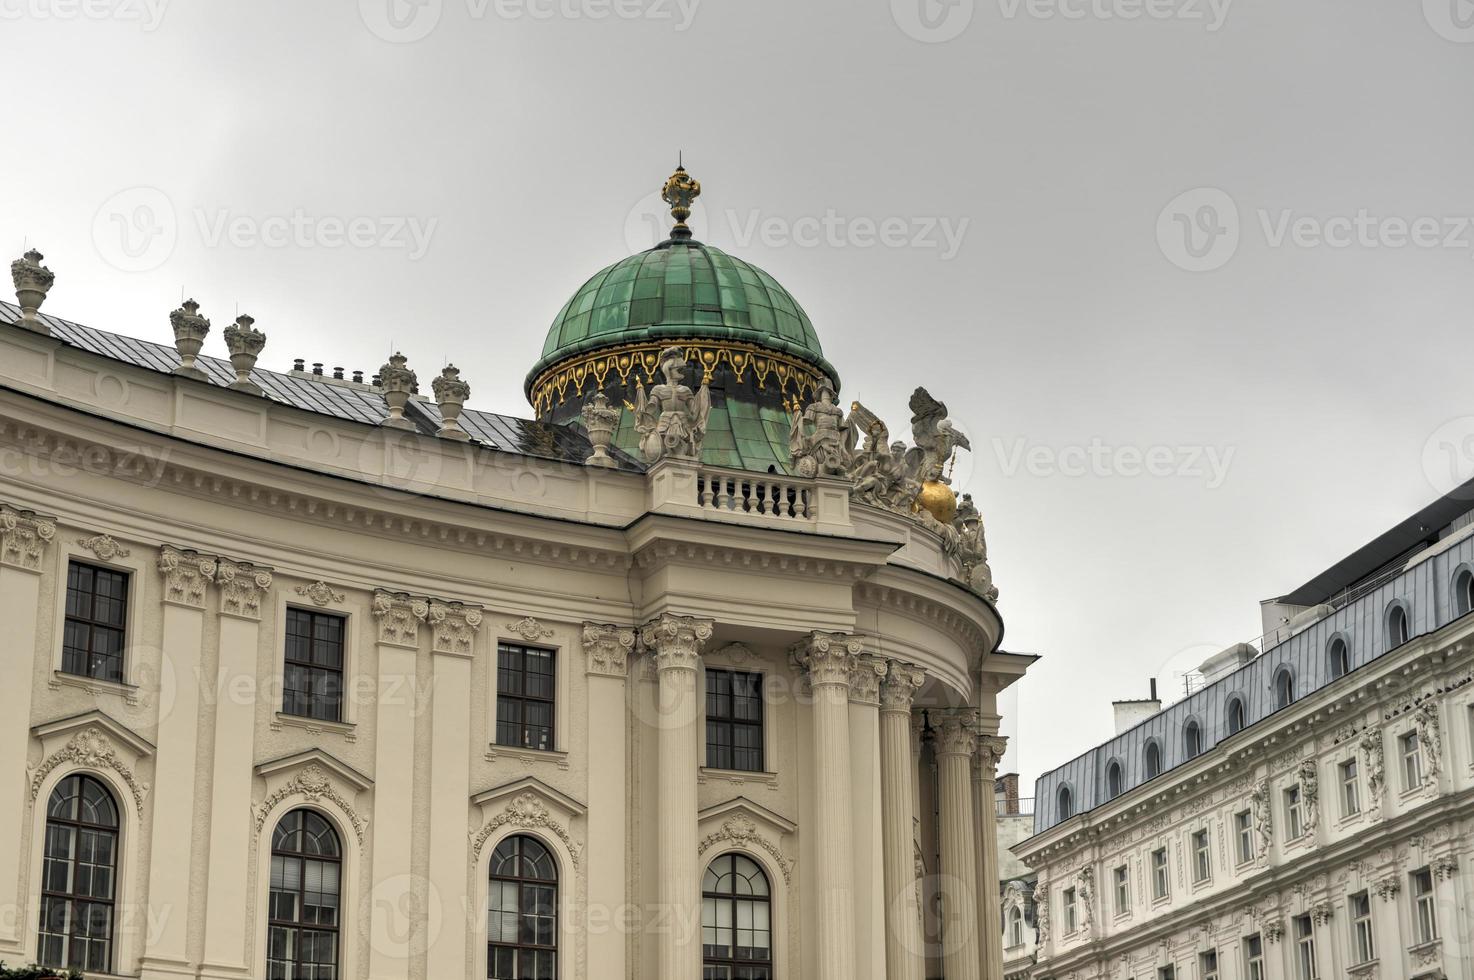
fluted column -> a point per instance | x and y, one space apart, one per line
607 649
990 913
955 746
828 659
903 951
868 820
674 643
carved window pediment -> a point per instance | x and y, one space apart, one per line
312 776
91 740
743 824
527 804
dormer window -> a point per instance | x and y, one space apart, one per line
1464 591
1066 803
1236 718
1114 782
1397 626
1192 740
1152 757
1340 658
1284 688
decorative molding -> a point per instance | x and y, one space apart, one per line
733 654
958 732
187 575
104 547
24 535
989 753
399 615
899 685
607 648
740 831
1430 738
313 782
1388 887
453 628
242 587
865 679
1445 867
320 593
1320 912
1309 776
827 658
91 748
530 629
526 811
528 757
675 641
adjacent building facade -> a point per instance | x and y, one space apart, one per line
1307 812
315 677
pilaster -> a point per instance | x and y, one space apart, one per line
606 650
868 866
955 746
903 947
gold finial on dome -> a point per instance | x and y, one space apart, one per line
679 191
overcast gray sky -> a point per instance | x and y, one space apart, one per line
1091 227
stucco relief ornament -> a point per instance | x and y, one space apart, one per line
190 331
965 540
453 627
530 629
398 382
242 586
671 419
865 679
1041 910
313 783
319 592
1371 748
1263 818
187 575
90 748
245 344
32 282
675 641
600 419
1388 887
990 753
827 658
817 437
742 832
1087 896
1321 912
450 397
525 812
1430 737
104 547
899 686
1310 792
399 617
958 732
1444 868
608 648
24 536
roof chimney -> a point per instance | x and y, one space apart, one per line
1129 714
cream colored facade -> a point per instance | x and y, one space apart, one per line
225 510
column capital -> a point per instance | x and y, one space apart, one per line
187 575
899 687
827 658
958 733
866 676
675 641
242 587
607 648
24 535
453 628
989 753
399 615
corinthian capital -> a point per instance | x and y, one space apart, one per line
827 658
990 753
865 679
899 686
675 641
453 627
187 575
24 536
399 617
242 587
608 648
958 734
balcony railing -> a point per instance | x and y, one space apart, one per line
691 489
1020 807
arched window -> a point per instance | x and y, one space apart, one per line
736 920
79 876
1284 688
303 914
1152 756
1397 626
1339 657
1464 591
1066 803
1016 926
522 939
1192 739
1114 783
1236 718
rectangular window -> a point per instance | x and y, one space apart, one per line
1071 915
312 682
1123 890
1167 973
734 720
1305 949
1294 814
1243 826
1412 761
1202 859
1254 957
526 682
1161 884
1425 914
1350 789
96 619
1363 946
1208 965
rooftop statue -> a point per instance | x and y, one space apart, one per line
878 470
964 539
936 439
817 437
671 420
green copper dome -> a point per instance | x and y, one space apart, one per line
681 291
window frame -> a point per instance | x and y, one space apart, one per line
1161 875
1192 739
1363 928
1121 879
1253 949
1015 927
1424 895
1202 846
1064 802
71 898
1338 657
1294 800
1306 965
1237 714
1463 589
1071 911
1208 965
771 963
91 623
299 925
1115 779
1151 758
520 881
1410 755
1243 828
1349 774
313 616
1283 687
732 723
1398 614
525 742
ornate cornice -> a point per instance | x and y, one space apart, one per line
899 686
755 559
93 749
24 535
675 641
530 629
739 831
187 576
958 732
608 648
865 679
314 783
242 587
453 627
525 812
320 593
827 658
104 547
400 615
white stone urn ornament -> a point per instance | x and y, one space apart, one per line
190 331
600 419
32 282
398 383
450 397
244 343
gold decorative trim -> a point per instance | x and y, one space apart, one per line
793 376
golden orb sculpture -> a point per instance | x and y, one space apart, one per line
937 499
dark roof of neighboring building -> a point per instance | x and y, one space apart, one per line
523 437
